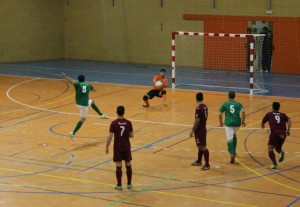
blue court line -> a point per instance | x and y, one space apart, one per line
139 148
21 122
292 203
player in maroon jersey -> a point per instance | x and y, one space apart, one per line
277 122
199 131
122 130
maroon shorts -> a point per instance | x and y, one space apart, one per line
277 138
200 137
122 155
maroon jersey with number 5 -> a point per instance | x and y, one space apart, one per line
277 121
121 128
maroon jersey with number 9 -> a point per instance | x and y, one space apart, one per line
277 121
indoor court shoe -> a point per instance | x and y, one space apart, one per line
205 167
165 104
118 187
196 163
274 166
145 106
72 135
281 158
103 116
129 186
232 160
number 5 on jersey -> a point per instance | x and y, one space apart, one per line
232 110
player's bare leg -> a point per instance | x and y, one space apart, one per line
272 156
102 116
129 174
163 93
78 126
119 176
206 157
146 100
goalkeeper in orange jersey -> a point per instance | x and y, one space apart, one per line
160 82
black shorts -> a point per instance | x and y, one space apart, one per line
122 155
277 139
151 94
200 137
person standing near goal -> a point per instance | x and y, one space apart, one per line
122 130
160 82
233 121
199 131
82 100
277 122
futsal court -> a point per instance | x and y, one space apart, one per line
41 166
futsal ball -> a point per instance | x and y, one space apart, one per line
158 83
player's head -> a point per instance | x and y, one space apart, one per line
231 95
199 97
121 110
162 72
276 106
81 78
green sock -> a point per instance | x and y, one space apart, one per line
234 143
96 109
230 147
79 124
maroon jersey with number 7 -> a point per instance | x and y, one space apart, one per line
121 128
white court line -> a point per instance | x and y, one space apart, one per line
135 120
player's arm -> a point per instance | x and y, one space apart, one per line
70 80
131 134
108 141
289 127
264 121
166 83
196 123
221 119
243 117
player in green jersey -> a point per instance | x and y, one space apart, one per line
82 100
233 121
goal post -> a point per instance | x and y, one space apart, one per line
212 67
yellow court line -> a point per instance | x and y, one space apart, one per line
110 185
257 173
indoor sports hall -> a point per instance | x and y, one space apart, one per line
209 46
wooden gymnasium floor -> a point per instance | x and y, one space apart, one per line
41 166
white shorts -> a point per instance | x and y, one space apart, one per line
84 109
230 131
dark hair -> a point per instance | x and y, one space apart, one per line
120 110
276 106
231 94
199 96
81 78
163 70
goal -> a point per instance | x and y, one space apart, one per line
217 61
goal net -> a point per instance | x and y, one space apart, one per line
218 62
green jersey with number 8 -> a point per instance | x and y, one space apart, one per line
82 93
232 110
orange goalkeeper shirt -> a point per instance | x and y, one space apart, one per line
164 80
